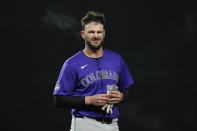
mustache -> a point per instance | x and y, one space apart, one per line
96 39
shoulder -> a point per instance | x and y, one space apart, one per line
112 54
71 61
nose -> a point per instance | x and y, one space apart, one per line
96 35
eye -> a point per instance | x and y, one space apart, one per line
90 31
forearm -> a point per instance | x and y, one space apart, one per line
69 101
77 102
127 93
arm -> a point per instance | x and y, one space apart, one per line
61 101
119 97
80 101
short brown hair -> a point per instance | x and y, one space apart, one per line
92 16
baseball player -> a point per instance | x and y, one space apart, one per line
93 81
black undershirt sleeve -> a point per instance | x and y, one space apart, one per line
69 101
77 102
125 95
62 101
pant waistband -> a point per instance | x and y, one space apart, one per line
100 119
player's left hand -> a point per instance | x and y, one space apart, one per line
115 97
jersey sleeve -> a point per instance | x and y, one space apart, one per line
125 78
66 80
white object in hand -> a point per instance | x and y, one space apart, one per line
105 106
109 106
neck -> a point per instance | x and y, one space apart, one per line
93 54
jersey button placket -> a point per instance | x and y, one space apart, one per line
99 68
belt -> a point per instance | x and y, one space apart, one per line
100 119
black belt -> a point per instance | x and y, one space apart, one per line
100 119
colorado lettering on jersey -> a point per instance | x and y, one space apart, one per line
98 75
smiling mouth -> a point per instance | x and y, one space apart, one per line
96 41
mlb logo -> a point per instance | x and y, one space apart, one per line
57 86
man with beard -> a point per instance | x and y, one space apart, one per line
94 81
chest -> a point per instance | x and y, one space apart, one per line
92 73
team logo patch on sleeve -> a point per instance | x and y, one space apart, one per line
57 86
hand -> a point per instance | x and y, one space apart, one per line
115 97
97 100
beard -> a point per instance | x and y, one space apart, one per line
94 47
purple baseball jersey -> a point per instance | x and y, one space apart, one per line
84 76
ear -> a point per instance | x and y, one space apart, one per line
83 34
104 32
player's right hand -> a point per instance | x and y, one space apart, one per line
97 100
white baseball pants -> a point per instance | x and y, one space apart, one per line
88 124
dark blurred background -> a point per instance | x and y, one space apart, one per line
155 38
